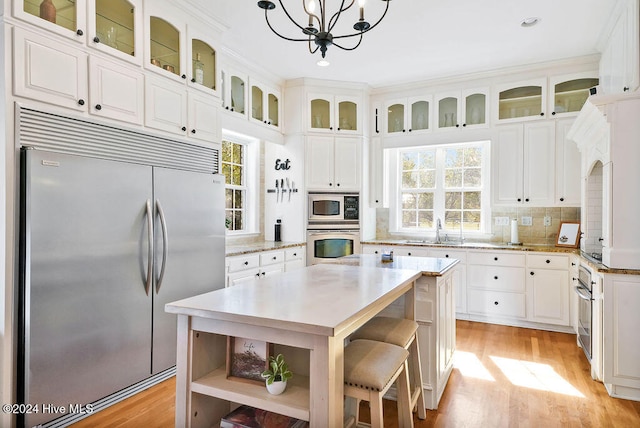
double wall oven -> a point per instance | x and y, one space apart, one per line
333 226
584 289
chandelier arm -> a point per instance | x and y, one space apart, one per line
314 50
334 19
351 48
290 19
278 34
368 29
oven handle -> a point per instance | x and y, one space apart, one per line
584 296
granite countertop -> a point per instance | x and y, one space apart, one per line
472 245
429 266
240 249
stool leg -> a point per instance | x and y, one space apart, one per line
405 415
351 408
414 354
377 419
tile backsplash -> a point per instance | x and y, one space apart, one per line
536 234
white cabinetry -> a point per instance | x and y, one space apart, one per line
524 164
548 289
520 101
462 109
619 68
264 103
334 114
568 166
496 284
459 275
408 115
165 106
262 264
621 323
59 74
333 163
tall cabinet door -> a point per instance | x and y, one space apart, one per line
190 241
86 311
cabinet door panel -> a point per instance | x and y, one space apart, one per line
320 163
347 163
203 119
539 164
49 72
166 106
507 169
116 92
548 296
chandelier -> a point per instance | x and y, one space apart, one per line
318 29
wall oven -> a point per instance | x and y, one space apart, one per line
584 290
326 245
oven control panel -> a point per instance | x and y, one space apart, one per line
351 207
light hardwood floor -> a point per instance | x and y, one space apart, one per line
503 377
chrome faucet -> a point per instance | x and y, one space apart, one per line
438 228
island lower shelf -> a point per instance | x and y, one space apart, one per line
293 402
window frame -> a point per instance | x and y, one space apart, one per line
395 190
251 182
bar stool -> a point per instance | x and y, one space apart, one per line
370 368
400 332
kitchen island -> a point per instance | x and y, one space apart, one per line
309 311
435 314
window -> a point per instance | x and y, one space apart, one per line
233 168
441 182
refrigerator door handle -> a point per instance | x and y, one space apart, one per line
150 248
165 245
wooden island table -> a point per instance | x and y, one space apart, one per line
309 311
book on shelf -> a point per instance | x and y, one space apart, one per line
250 417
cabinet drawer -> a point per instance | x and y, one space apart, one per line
496 259
496 278
243 262
448 254
496 303
296 253
544 261
271 257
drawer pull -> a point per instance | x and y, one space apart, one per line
376 252
495 277
409 254
495 258
275 258
257 275
495 303
246 263
547 261
263 273
295 254
446 255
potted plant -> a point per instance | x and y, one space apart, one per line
277 374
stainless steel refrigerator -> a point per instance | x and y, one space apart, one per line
104 246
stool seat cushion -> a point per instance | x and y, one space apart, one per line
397 331
369 364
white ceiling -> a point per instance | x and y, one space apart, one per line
419 39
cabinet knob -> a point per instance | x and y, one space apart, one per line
553 113
376 252
408 254
330 184
464 125
81 102
275 258
331 128
193 80
519 199
184 128
526 200
495 277
446 255
79 32
96 39
184 76
246 263
410 130
338 129
263 273
98 107
574 279
257 275
377 201
227 107
561 199
193 131
531 273
457 125
495 303
404 130
600 239
495 258
337 184
542 114
573 264
232 109
625 89
295 254
547 261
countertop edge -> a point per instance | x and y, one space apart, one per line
242 249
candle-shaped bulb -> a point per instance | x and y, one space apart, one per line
361 4
311 6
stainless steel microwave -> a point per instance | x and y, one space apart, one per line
334 209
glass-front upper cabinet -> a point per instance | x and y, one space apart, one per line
476 108
334 114
235 96
570 93
463 109
448 111
265 104
203 65
408 115
115 27
64 17
165 48
523 101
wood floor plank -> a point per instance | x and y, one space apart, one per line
468 401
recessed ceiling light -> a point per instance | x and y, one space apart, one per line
529 22
323 63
